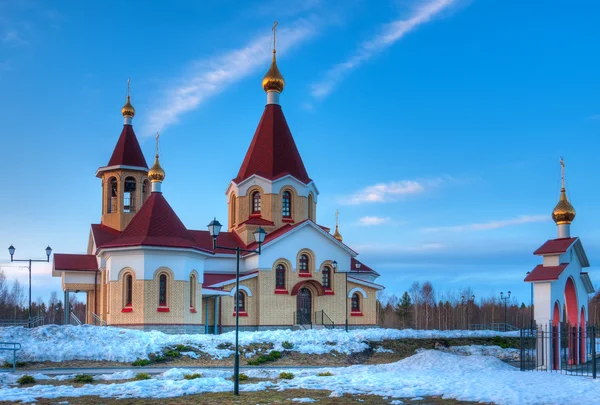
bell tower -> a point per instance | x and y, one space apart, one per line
125 182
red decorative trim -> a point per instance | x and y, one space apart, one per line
193 311
329 292
127 309
244 313
304 274
281 291
356 314
162 309
255 215
288 220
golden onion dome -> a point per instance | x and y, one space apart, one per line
128 111
337 234
273 80
156 172
563 213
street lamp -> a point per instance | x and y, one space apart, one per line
11 250
503 298
530 305
348 271
259 236
467 302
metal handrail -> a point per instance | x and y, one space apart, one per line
321 318
98 320
74 320
14 348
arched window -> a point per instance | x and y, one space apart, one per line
286 204
112 201
162 290
326 277
241 302
128 290
280 277
145 190
256 202
303 263
355 302
129 195
311 210
233 210
192 291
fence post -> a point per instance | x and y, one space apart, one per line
521 348
593 351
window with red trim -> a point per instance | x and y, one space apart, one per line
280 277
256 206
241 302
326 277
162 290
128 290
355 302
286 205
303 264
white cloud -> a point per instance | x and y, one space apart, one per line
392 191
372 220
523 219
399 247
212 76
12 37
388 35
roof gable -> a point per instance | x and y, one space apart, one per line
273 153
127 151
70 262
555 246
545 273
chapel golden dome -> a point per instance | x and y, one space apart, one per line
273 80
156 172
337 233
128 111
563 213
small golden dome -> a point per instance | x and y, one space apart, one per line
563 213
128 111
156 172
337 234
273 80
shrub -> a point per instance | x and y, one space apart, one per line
141 362
501 341
225 345
8 364
192 376
243 377
325 374
160 359
172 353
274 355
26 379
183 348
287 345
286 376
142 376
83 378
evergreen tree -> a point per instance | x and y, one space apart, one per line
403 310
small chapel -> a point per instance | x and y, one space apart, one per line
145 269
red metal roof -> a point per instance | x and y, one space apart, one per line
226 239
545 273
363 267
156 224
273 152
555 246
70 262
210 278
257 221
103 234
127 151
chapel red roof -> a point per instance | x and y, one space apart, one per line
155 224
69 262
545 273
273 152
127 151
555 246
103 234
257 221
362 269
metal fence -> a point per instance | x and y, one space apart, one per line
562 348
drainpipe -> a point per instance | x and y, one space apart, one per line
95 295
206 317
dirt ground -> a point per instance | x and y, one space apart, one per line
262 397
401 349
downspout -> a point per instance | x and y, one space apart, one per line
95 295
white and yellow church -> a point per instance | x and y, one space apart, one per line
144 269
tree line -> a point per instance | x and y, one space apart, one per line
421 307
14 303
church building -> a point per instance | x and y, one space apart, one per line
145 269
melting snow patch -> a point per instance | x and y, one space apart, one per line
396 402
303 400
380 349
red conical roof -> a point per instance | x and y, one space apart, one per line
156 224
127 151
273 152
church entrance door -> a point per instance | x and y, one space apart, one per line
303 304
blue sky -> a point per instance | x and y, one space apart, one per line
434 126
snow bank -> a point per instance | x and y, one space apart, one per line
60 343
468 378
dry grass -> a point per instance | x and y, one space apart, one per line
262 397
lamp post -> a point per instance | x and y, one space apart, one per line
259 236
531 306
503 298
11 250
467 302
346 298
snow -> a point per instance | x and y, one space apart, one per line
428 373
60 343
303 400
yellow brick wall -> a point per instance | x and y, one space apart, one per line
119 219
252 308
